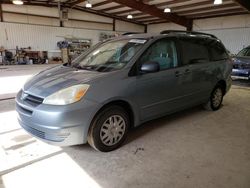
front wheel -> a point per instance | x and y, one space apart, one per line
109 129
215 100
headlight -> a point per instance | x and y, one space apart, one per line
67 96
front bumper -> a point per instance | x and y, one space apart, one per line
241 74
58 125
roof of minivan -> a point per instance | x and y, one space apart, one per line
158 35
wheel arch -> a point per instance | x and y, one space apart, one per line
122 103
223 84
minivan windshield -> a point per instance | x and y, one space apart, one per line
110 56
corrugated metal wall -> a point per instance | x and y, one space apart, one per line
43 33
234 39
234 31
40 37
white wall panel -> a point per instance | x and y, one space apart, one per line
222 22
88 25
17 18
36 10
126 26
234 39
40 37
234 31
80 15
157 28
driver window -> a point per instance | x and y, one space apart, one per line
163 52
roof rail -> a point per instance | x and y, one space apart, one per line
187 32
131 33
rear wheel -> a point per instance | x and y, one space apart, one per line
109 129
215 100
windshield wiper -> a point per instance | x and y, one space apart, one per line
85 67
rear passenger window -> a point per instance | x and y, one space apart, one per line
163 52
217 51
194 51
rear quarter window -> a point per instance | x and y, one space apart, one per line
217 51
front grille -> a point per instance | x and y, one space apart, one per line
33 100
24 110
34 131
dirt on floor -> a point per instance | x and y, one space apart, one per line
192 148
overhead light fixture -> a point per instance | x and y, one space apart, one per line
17 2
130 16
167 10
217 2
88 5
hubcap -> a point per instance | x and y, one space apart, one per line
112 130
217 97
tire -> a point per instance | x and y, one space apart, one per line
109 129
215 100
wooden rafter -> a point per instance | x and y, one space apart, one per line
154 11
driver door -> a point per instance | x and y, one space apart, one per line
161 92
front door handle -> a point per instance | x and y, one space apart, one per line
178 73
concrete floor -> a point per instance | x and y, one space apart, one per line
193 148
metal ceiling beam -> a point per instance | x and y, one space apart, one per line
77 2
101 3
110 15
158 22
217 13
196 5
124 11
185 5
244 3
145 17
1 13
222 15
154 11
112 8
97 12
171 2
208 9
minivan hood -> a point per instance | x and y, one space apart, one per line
57 78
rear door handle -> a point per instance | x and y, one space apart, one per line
178 73
187 71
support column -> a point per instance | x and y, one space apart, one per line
145 28
1 13
190 26
114 24
60 14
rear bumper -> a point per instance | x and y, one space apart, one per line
241 74
58 125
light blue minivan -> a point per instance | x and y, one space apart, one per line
121 83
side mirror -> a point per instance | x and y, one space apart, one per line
150 67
